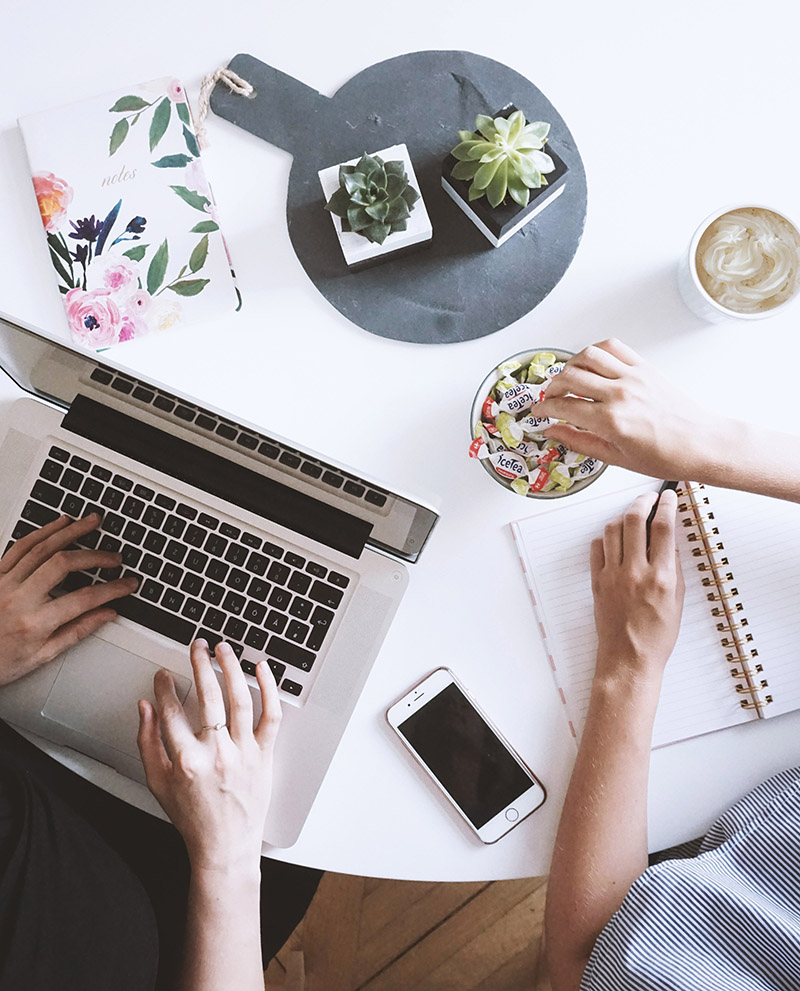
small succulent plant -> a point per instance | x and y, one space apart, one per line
374 198
504 157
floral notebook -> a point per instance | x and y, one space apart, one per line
129 217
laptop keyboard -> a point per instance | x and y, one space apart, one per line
199 576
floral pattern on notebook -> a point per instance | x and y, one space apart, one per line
124 272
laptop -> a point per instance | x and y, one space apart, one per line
234 533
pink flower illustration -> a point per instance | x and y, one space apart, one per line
176 92
133 322
93 317
53 196
119 274
195 178
139 302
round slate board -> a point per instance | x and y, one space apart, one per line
460 288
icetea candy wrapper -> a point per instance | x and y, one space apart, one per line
509 436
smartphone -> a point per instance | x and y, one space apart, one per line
465 755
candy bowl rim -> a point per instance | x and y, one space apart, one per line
477 404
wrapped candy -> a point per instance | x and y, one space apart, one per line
510 437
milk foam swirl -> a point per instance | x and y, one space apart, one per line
749 260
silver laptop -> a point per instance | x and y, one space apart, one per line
233 533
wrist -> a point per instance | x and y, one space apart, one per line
713 451
619 675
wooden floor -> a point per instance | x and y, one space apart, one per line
363 934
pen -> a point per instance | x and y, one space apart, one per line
664 487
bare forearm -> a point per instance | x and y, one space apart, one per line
223 935
601 847
738 455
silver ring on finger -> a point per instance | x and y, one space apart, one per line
216 726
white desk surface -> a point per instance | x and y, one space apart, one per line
676 111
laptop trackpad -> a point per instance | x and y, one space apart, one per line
96 691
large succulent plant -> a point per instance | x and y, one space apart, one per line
374 198
504 156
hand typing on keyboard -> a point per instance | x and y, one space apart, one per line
35 628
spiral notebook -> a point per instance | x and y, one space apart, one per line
737 657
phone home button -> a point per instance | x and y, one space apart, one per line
512 815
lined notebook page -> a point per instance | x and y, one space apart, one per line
762 544
698 694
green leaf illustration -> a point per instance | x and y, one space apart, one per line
160 120
57 245
118 135
158 268
136 254
62 272
192 198
205 227
172 162
128 103
183 112
191 142
189 287
198 257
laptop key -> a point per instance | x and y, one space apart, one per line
71 480
165 501
196 561
272 549
130 555
292 460
269 450
195 535
254 612
214 619
280 598
72 506
90 539
174 526
193 609
294 560
317 570
301 608
291 687
173 599
276 622
233 603
159 620
235 629
155 542
336 579
210 637
308 468
299 582
80 463
320 624
236 554
237 648
237 580
102 473
229 530
278 573
291 653
175 552
92 489
47 493
134 533
151 590
110 574
150 565
51 471
213 593
217 570
154 517
251 539
258 590
206 422
143 492
376 498
211 522
133 508
59 454
192 583
189 512
255 638
326 594
296 631
352 488
171 574
257 564
40 515
113 524
22 529
216 544
120 482
109 544
112 498
335 481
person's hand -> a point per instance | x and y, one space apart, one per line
214 784
638 591
35 628
635 419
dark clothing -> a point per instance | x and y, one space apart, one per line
93 891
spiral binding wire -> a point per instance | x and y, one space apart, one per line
700 521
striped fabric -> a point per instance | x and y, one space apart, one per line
727 919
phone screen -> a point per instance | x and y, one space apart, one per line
465 755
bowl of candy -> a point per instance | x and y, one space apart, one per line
507 436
